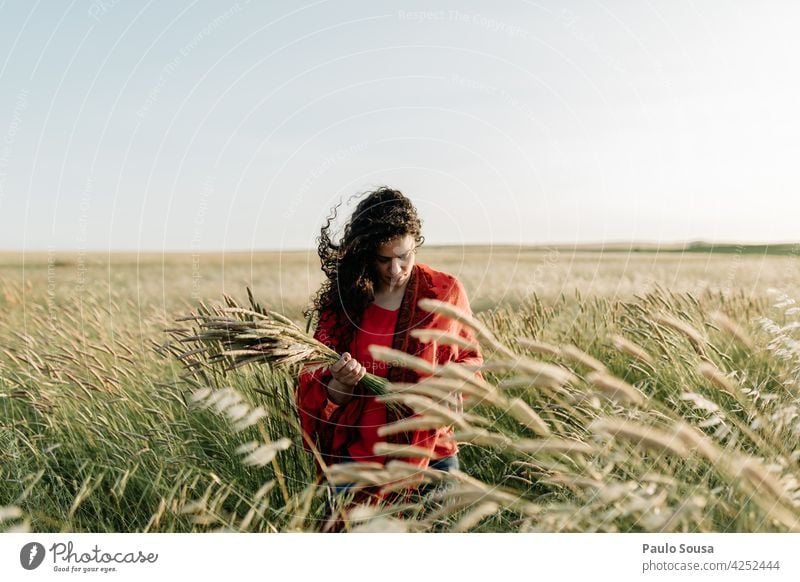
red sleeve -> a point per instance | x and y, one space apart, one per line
311 396
311 393
372 418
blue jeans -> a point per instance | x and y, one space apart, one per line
445 464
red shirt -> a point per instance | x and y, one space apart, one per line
377 328
354 431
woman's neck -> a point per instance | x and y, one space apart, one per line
390 298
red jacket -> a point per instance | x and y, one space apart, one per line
350 431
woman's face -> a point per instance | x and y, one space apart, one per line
394 261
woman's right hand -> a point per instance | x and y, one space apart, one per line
347 372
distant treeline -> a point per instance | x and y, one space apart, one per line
781 249
773 249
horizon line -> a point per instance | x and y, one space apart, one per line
655 245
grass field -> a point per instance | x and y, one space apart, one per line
684 418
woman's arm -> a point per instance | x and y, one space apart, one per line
311 397
312 394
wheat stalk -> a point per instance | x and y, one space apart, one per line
238 336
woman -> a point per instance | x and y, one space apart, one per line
370 296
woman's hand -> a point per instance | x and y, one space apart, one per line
347 372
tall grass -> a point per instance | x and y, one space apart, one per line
687 426
99 433
662 412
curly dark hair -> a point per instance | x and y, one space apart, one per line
384 214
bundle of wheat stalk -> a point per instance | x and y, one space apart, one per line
235 336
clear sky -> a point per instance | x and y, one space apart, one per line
200 125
